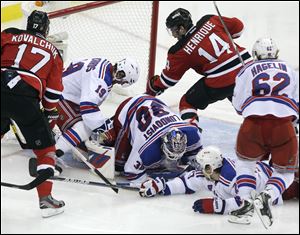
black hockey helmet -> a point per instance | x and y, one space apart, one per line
38 21
179 17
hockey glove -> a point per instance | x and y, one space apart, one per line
105 134
151 88
52 117
205 206
151 187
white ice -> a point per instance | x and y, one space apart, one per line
91 209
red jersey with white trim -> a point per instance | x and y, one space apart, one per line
37 61
207 49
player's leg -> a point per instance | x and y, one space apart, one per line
4 125
282 142
249 149
292 191
199 96
25 111
284 150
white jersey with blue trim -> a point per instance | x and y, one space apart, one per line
267 87
145 119
224 190
87 83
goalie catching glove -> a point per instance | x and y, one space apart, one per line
153 86
105 134
151 187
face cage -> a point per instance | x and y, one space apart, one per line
172 155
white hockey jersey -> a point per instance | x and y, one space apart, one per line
87 83
225 190
267 87
145 119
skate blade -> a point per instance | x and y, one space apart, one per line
263 218
246 220
49 212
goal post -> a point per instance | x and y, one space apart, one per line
113 30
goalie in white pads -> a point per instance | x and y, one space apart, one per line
87 84
151 137
216 174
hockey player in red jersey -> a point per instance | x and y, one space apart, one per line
205 48
31 71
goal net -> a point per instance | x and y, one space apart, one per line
108 29
113 30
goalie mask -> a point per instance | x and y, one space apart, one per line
174 144
210 158
265 48
127 72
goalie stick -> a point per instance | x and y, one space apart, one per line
120 185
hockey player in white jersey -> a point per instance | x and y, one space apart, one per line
87 84
216 174
151 137
267 96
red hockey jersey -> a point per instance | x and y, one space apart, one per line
36 60
206 48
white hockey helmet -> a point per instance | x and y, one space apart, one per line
209 158
174 144
130 69
265 48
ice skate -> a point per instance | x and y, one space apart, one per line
50 206
242 215
262 204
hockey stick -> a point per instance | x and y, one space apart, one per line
86 182
18 134
228 34
36 182
33 173
82 158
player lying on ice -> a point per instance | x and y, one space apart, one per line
217 174
148 136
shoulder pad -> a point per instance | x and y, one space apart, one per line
183 41
13 31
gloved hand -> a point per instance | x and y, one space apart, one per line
52 117
105 134
205 205
151 187
151 88
194 121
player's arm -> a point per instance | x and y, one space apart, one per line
217 205
54 85
187 184
235 26
53 91
175 68
93 93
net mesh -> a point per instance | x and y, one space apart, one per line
113 32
